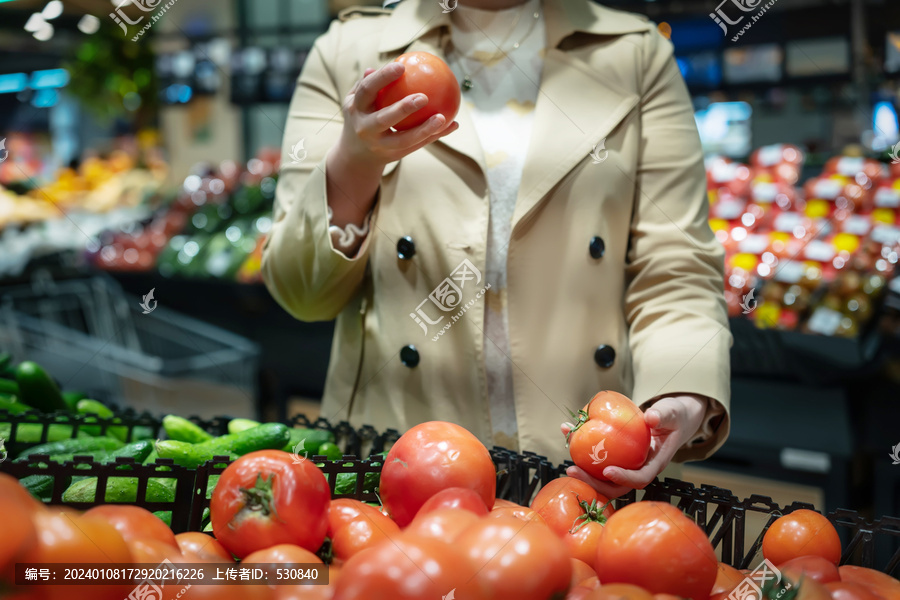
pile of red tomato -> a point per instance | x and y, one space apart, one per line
441 534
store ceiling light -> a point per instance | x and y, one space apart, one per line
53 9
89 24
35 22
44 33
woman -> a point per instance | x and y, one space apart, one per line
499 270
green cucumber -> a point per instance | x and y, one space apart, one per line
142 432
5 361
330 451
182 430
346 482
312 439
30 433
151 458
72 398
239 425
118 489
41 486
268 436
165 516
92 407
37 389
75 446
189 455
9 387
12 405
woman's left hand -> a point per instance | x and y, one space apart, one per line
673 421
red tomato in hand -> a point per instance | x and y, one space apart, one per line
134 522
432 457
426 74
801 533
514 559
444 524
655 546
814 567
405 568
610 432
462 498
264 498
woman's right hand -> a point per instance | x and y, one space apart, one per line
367 140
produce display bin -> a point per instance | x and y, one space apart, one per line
93 338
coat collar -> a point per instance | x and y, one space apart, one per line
412 19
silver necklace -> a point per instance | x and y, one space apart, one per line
468 78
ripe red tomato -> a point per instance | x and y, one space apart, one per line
500 503
583 543
69 538
514 560
876 581
203 546
523 513
264 498
620 591
727 578
848 590
444 524
363 532
581 571
814 567
432 457
425 74
134 522
653 545
563 504
19 534
462 498
579 592
405 568
799 588
801 533
610 432
346 510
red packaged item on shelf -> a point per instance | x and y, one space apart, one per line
850 166
782 161
722 172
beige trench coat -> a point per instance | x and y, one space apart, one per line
614 277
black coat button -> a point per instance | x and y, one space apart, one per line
597 246
406 247
409 356
604 356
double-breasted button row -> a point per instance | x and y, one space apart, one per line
406 247
604 356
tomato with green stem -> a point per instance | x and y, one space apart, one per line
266 498
609 431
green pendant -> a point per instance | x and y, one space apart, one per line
467 84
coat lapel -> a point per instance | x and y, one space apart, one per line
576 107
